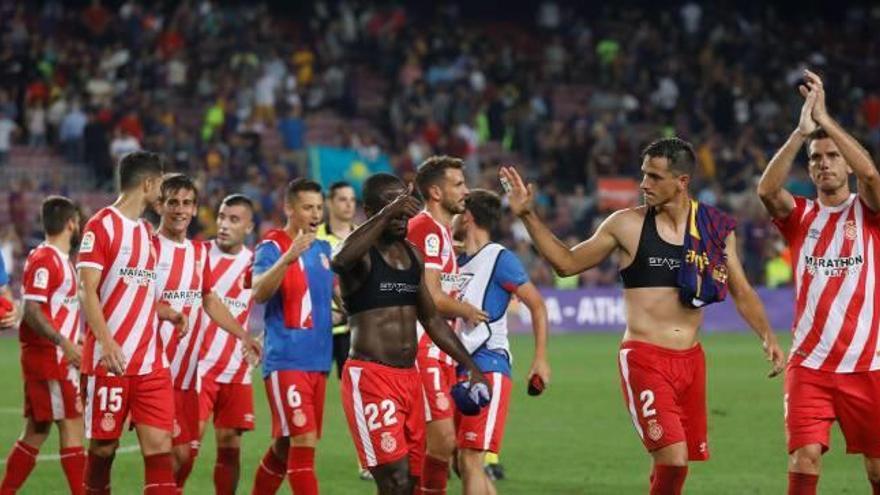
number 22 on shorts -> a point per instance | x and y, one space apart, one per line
371 412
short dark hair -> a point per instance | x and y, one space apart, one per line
485 207
374 187
172 183
299 185
337 186
55 212
138 166
816 135
678 152
238 199
433 170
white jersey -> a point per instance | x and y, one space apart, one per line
223 360
180 283
834 252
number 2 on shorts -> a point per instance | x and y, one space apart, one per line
647 398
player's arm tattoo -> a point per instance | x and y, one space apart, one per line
36 320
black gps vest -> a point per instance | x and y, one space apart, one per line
656 263
386 286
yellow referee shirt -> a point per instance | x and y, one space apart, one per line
325 234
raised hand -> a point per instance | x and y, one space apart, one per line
301 243
814 85
806 124
404 205
520 196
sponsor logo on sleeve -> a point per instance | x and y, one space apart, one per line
432 245
87 243
41 278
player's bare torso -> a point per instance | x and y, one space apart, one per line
653 314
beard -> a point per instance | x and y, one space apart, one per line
75 239
453 207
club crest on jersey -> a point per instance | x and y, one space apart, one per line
655 431
108 422
432 245
850 231
41 278
299 418
87 243
388 443
442 401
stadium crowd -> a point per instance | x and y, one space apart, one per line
233 95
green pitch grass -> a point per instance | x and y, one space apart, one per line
575 439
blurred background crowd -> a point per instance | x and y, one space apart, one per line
236 95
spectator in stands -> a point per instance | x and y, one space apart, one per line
71 133
8 130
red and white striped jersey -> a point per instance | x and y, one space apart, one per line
180 283
222 356
50 280
122 250
434 241
837 308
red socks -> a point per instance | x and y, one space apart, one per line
802 483
226 471
159 475
301 471
434 475
97 474
668 480
19 465
270 474
186 468
73 462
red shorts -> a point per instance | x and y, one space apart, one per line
485 430
51 400
296 399
814 399
385 411
231 404
110 400
665 393
438 377
186 417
